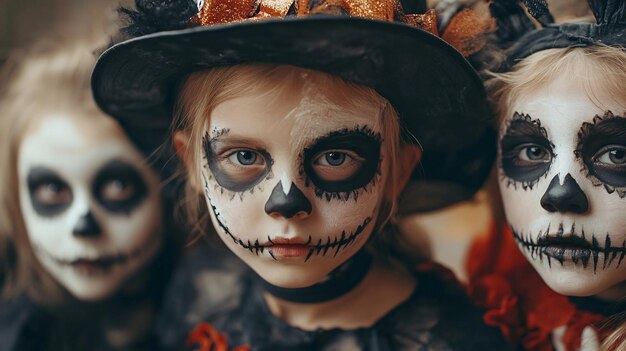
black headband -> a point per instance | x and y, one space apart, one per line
609 29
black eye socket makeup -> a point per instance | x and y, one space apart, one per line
526 152
237 169
602 150
119 187
50 195
342 162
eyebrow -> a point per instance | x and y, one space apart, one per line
308 141
237 141
39 174
523 125
615 126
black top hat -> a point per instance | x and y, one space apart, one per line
438 95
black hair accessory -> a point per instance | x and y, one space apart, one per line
339 282
150 16
609 29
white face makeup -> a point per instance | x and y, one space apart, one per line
294 183
563 184
90 203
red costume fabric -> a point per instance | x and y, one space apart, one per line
516 299
205 337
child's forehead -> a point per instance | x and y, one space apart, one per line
302 115
62 132
576 75
575 95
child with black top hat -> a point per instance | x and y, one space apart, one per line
297 124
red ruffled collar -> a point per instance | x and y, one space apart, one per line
516 299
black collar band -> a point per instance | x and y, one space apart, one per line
340 281
602 307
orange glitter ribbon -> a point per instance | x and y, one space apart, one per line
426 21
226 11
464 32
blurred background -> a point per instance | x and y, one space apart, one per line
24 22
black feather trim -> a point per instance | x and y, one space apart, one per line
539 10
511 20
152 16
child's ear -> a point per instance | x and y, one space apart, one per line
181 145
410 157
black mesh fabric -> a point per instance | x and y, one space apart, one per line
224 293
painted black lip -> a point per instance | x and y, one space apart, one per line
562 247
570 241
572 247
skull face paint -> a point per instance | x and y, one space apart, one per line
293 186
562 159
90 203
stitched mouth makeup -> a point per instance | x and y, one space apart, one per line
285 248
98 265
572 247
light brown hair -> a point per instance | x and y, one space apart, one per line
51 76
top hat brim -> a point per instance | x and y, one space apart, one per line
439 97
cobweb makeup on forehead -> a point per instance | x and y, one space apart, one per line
328 103
317 115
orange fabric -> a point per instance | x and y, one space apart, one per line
204 337
426 21
465 31
227 11
516 299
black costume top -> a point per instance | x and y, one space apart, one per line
81 325
27 326
226 294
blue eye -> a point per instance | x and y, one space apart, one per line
335 158
244 157
534 153
616 156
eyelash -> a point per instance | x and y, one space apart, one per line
526 185
228 154
234 193
343 196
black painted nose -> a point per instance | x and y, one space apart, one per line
287 205
87 226
568 197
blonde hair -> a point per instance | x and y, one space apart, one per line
601 66
617 339
603 69
50 76
221 84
